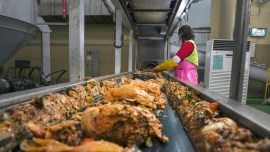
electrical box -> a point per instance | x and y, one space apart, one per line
92 63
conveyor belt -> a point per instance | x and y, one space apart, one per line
172 127
14 98
251 118
256 121
174 130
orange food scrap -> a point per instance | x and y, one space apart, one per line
213 106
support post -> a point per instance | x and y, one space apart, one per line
46 54
130 51
118 42
165 50
45 48
136 54
240 47
76 40
169 48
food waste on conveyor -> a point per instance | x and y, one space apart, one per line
120 114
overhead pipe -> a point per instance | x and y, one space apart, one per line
110 6
64 8
258 72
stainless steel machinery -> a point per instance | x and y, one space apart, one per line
14 35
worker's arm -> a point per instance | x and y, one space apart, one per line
185 50
168 64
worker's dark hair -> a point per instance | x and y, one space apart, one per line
186 33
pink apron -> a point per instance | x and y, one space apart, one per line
187 71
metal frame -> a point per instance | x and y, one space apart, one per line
267 84
251 118
175 21
127 21
11 99
255 120
179 140
174 12
110 7
169 22
182 8
150 38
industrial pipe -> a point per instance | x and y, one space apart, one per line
258 72
64 8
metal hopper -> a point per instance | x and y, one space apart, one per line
14 34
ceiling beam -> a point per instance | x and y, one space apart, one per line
179 11
115 4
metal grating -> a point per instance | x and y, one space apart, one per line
226 45
159 12
150 25
150 17
220 83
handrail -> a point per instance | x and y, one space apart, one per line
266 85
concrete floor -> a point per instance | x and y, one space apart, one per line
255 96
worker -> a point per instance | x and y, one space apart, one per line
185 62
